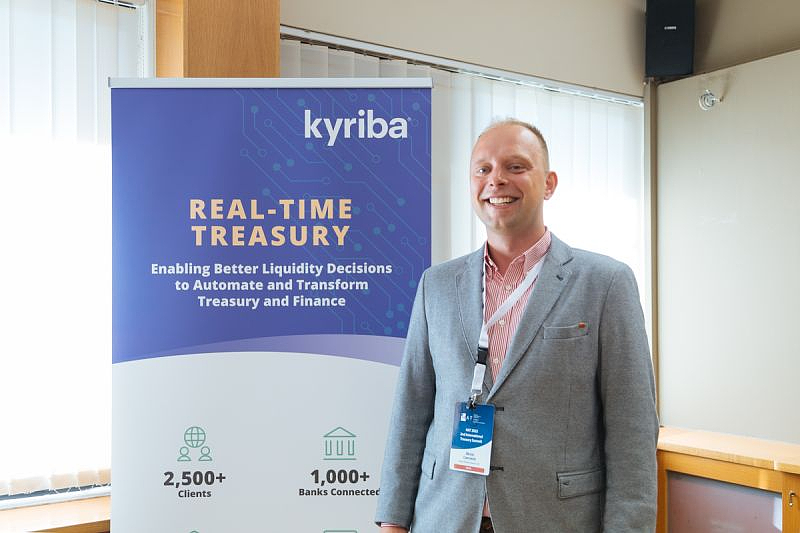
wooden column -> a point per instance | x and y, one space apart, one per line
218 38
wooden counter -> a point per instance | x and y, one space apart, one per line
762 464
771 455
92 515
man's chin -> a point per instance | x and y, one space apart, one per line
500 221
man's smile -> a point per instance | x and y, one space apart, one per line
501 200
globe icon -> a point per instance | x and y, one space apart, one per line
194 437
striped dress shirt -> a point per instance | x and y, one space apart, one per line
498 287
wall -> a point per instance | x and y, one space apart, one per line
593 43
729 251
730 32
597 43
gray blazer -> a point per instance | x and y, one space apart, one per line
575 429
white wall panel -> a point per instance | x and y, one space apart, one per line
729 251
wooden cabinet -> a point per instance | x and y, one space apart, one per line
771 469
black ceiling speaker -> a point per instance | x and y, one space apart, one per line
669 49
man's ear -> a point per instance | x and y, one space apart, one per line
550 184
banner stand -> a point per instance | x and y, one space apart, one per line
268 238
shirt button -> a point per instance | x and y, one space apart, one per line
502 322
509 287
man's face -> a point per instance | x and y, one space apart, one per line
509 181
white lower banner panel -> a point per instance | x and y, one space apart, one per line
249 441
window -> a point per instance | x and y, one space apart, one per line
55 134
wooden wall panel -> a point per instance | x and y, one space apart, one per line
231 39
218 38
169 38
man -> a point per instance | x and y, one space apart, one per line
569 373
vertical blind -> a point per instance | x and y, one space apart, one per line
55 131
596 147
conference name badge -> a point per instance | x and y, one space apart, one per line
471 448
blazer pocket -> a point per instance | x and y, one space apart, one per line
428 464
571 484
566 332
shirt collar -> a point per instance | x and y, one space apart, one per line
531 256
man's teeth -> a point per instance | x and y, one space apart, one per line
503 200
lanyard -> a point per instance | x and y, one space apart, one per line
483 339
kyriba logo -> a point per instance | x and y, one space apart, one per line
366 125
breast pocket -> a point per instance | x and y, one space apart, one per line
581 329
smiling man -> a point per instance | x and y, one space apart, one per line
525 401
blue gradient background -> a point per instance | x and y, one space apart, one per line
171 145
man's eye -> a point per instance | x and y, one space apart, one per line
481 171
516 168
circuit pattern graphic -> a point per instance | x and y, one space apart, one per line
171 145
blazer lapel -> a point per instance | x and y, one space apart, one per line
552 280
469 289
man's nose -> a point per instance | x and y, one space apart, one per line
497 177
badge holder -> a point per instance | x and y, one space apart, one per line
473 427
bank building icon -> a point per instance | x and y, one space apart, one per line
339 445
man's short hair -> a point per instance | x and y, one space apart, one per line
528 126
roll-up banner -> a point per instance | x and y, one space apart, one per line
268 238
